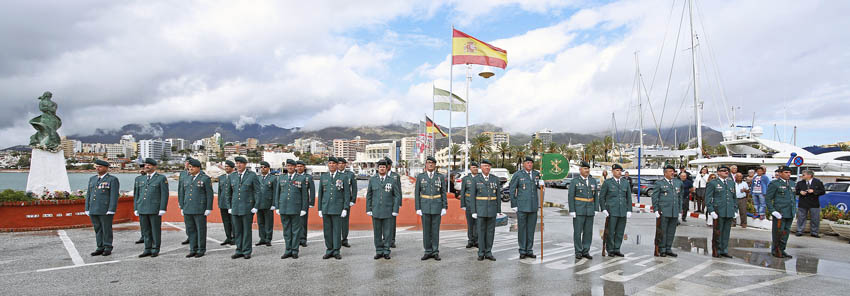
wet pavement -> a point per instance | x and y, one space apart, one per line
57 262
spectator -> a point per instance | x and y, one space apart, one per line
687 189
733 170
809 191
741 191
699 185
604 176
708 220
759 189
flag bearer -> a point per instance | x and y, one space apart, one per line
583 205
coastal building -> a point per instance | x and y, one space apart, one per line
368 160
496 138
179 144
408 149
71 147
114 151
444 161
252 143
235 150
349 148
544 135
156 149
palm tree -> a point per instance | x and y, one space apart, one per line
553 148
519 151
502 149
536 147
481 143
454 150
607 145
844 147
570 154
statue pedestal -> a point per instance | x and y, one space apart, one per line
47 172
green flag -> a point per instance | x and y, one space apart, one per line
441 101
555 166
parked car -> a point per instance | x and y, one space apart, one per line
837 187
501 173
645 186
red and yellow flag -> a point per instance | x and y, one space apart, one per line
468 50
432 128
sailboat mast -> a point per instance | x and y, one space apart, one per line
697 102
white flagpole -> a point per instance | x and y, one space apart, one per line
451 94
468 81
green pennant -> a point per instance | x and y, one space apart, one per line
554 166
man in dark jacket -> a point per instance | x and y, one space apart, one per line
687 187
808 192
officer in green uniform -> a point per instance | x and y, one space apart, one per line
722 206
291 200
183 174
265 209
583 205
196 202
667 204
615 198
466 201
351 182
382 203
101 202
223 200
333 206
431 204
143 173
486 205
300 168
397 179
782 205
245 188
150 200
524 191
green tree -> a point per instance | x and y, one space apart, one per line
503 149
536 147
481 144
454 150
553 148
607 146
519 151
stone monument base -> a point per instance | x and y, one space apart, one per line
47 172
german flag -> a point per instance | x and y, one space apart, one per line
468 50
432 128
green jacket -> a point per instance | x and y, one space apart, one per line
666 197
780 198
524 190
333 193
352 186
430 193
243 193
102 195
312 188
267 185
382 197
397 178
292 194
150 195
197 194
582 197
616 198
223 191
466 188
720 198
486 193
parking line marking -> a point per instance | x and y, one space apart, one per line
74 266
69 246
181 228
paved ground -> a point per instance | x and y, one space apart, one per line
57 262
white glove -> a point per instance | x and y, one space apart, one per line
254 211
713 215
311 207
110 213
463 208
657 214
181 213
350 204
320 214
736 215
605 212
443 212
573 214
343 214
134 213
87 213
277 212
419 212
541 183
628 215
680 215
161 212
303 213
395 214
207 212
272 208
230 211
369 213
514 209
474 215
777 215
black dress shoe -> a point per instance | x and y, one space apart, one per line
530 255
579 256
378 256
143 255
663 255
191 255
480 258
784 255
224 243
521 256
108 252
798 234
97 253
387 256
185 242
425 257
199 255
327 256
287 255
715 256
153 255
587 256
393 246
725 256
618 254
816 235
294 256
140 241
345 244
671 254
338 256
475 245
303 244
469 245
235 256
247 256
437 257
610 254
259 244
490 257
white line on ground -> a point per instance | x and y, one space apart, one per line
69 246
184 229
73 266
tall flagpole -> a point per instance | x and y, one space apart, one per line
466 155
451 98
428 135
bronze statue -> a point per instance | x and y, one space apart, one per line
46 125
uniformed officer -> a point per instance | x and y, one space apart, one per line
615 199
485 207
300 167
101 202
667 204
224 200
395 176
183 174
143 173
150 200
782 205
466 201
583 205
351 182
291 200
333 206
196 204
431 204
245 191
722 205
265 209
524 191
382 203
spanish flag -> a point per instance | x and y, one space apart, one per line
468 50
432 128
